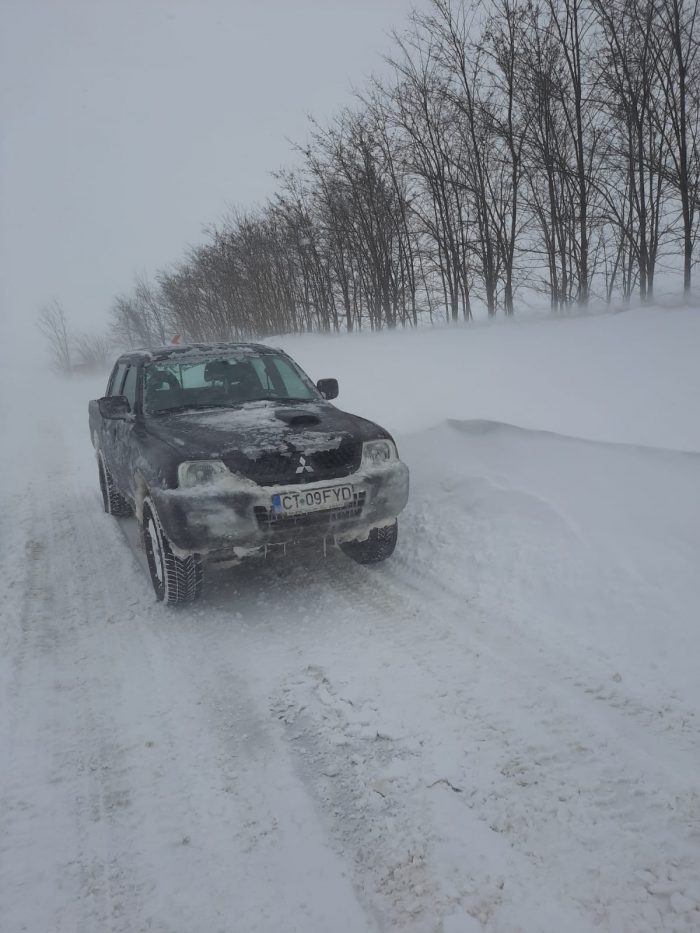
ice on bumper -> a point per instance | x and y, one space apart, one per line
229 511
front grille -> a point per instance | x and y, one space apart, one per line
268 519
279 468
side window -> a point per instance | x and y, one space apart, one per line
129 389
193 376
115 383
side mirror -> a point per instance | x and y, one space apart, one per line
114 407
328 388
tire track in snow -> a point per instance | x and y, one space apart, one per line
173 808
613 773
76 795
587 770
675 728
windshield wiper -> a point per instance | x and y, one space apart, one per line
191 407
274 398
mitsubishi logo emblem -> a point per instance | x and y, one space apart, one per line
304 467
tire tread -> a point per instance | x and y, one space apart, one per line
113 501
378 546
183 576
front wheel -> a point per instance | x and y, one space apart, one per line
175 579
376 547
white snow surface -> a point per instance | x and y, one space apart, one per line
496 730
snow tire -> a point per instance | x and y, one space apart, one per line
378 546
175 580
113 501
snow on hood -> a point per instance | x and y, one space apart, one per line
262 426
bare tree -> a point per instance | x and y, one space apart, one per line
92 351
52 323
429 149
637 156
573 28
678 75
462 59
546 156
503 39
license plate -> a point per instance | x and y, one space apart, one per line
293 501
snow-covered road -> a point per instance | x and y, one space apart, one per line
495 731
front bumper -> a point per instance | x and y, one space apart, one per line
236 514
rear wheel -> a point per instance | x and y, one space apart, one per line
113 501
175 579
378 546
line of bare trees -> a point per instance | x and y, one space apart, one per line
551 145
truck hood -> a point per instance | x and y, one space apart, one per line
261 427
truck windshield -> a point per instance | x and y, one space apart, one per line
222 382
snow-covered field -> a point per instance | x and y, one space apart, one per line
497 730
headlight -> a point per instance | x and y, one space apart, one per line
374 453
200 472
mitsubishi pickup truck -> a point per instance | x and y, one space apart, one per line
230 451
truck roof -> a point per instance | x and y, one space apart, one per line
197 350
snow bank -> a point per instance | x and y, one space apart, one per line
631 377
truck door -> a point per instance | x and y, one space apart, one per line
108 427
123 435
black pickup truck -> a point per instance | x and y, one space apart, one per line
226 451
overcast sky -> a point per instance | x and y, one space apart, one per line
128 125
